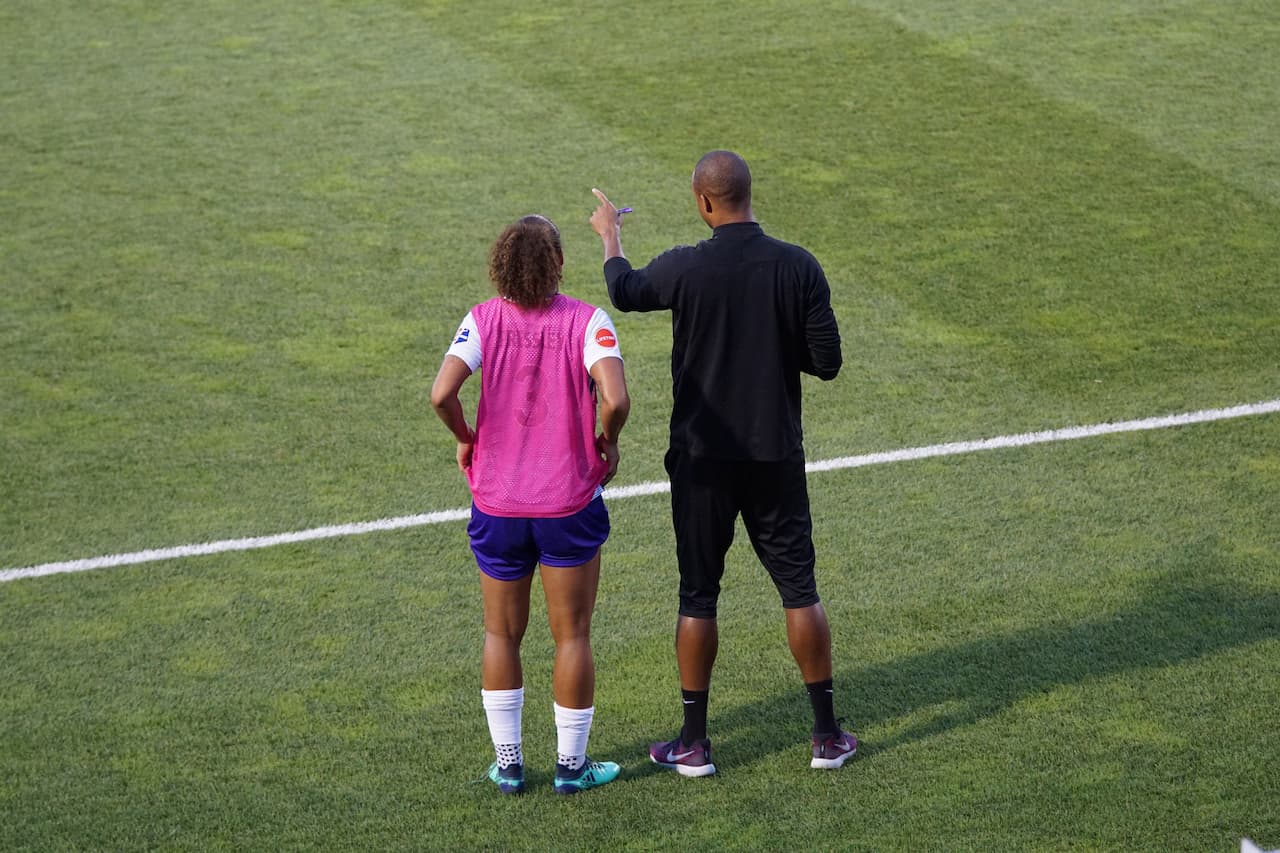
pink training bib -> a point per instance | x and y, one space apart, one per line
535 450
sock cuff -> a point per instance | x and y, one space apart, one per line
573 729
502 700
573 717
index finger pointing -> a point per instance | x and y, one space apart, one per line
601 196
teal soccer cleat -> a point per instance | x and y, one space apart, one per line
592 774
510 779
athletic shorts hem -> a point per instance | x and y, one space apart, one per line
510 549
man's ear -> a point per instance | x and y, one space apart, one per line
706 202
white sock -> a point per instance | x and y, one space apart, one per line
503 709
573 728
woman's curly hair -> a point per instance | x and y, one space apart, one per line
526 261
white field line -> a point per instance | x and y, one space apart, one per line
640 489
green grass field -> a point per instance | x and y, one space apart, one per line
237 237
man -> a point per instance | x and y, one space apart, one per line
749 315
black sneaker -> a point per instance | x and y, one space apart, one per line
691 760
832 751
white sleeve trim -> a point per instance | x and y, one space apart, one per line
600 341
466 343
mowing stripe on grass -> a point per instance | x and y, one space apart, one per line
653 488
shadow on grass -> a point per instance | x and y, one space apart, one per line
1181 619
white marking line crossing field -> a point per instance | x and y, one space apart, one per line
653 488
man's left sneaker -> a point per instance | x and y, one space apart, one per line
693 759
592 774
832 751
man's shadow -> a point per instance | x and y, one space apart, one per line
1183 616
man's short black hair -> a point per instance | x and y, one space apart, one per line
723 176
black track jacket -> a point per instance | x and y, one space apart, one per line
749 314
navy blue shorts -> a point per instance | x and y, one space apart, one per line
708 495
509 549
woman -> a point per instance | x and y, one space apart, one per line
536 468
